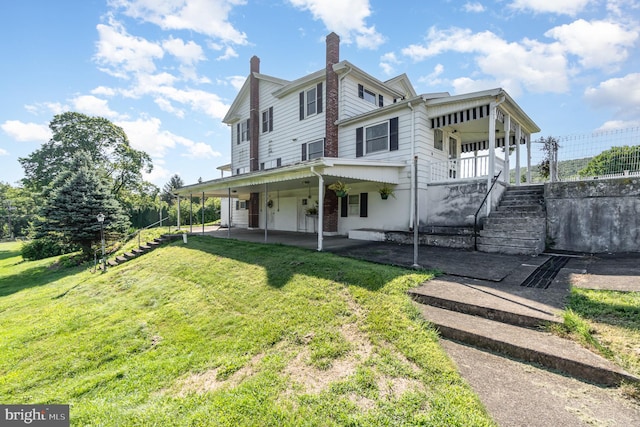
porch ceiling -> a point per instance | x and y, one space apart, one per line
299 176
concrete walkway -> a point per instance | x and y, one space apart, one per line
515 393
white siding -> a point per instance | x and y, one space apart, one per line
240 152
351 105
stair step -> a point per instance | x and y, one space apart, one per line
531 223
516 214
507 250
514 233
515 306
521 208
155 243
120 259
526 344
129 255
112 263
139 251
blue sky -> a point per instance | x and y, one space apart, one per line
167 70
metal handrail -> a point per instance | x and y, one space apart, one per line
475 217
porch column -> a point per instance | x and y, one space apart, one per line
203 212
178 212
266 209
507 148
492 152
518 138
320 211
191 213
228 212
528 158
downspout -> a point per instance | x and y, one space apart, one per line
412 200
492 146
342 91
320 207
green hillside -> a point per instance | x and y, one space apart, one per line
221 332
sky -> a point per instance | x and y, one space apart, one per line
167 71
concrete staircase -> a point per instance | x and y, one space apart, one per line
518 225
143 249
508 321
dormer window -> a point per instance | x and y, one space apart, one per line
311 101
370 96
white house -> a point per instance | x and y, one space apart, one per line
292 139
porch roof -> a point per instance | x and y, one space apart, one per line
297 176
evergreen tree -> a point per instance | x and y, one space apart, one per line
77 196
167 191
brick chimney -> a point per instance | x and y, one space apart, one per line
254 138
330 202
331 112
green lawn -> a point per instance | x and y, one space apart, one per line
221 332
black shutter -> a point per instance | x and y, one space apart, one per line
319 98
380 101
344 206
248 129
302 105
360 91
364 199
279 161
270 119
393 134
237 205
304 152
238 133
359 141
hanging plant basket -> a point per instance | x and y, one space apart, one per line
340 188
386 191
384 196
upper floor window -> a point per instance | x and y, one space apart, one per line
369 96
311 101
379 137
242 131
438 139
267 120
313 150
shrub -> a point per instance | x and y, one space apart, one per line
45 247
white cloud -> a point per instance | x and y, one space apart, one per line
622 93
121 54
208 17
200 150
3 152
599 44
433 78
229 53
387 62
93 106
560 7
475 7
165 105
235 81
618 124
21 131
467 85
346 18
536 66
49 107
104 91
188 53
159 173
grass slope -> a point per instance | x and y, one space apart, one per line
226 333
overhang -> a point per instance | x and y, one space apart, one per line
296 176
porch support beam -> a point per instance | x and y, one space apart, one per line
266 210
492 151
507 148
191 213
178 220
203 212
228 212
320 207
518 138
528 136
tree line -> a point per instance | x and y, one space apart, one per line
88 167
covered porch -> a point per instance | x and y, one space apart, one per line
480 134
284 198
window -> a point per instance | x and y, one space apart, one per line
354 205
267 120
369 96
377 137
241 204
242 131
438 139
311 101
313 150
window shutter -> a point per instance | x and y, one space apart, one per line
279 161
319 98
359 142
360 91
380 101
393 134
246 205
238 133
270 119
344 206
248 129
237 205
302 105
262 166
304 152
364 204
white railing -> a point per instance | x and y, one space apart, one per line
463 168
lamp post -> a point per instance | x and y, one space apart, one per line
101 221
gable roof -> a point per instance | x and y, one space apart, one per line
232 116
